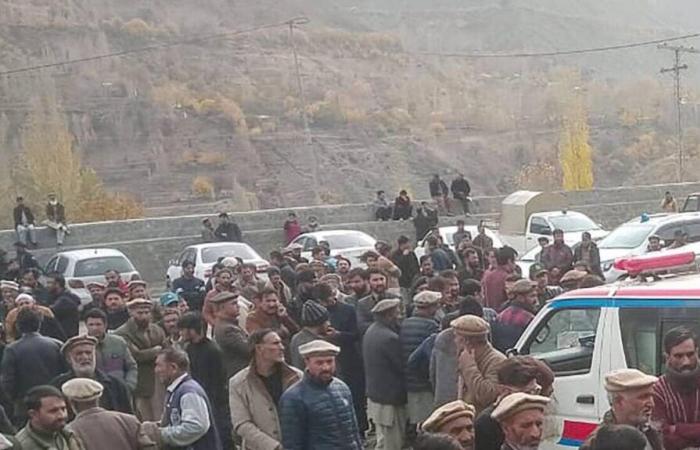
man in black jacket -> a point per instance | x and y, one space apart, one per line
24 223
439 194
79 351
460 191
207 368
384 374
31 361
228 231
64 304
405 259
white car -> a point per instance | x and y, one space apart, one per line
351 244
447 234
80 267
632 238
204 256
527 260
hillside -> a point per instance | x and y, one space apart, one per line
224 116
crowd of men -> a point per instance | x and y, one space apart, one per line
317 354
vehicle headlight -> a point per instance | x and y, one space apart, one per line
607 266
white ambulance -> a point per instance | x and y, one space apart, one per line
587 333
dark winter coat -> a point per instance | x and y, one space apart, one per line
17 212
384 365
460 188
414 330
408 264
438 188
65 308
316 416
56 213
229 232
115 397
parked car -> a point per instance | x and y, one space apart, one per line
349 243
80 267
632 238
447 234
584 334
204 256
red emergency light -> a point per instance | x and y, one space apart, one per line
654 262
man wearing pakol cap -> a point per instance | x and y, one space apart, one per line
317 412
138 289
145 340
79 351
513 320
98 428
631 397
228 335
112 351
540 276
571 279
314 319
9 290
456 419
188 420
223 282
414 330
384 374
478 362
521 417
46 428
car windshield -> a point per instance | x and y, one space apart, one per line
350 240
571 223
212 254
630 235
97 266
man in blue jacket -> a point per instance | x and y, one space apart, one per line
317 412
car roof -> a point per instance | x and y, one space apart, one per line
665 218
563 212
90 253
334 233
217 244
684 286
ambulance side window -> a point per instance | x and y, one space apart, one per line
565 340
643 329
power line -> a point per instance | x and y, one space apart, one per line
286 23
561 52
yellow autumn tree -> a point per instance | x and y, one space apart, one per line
49 163
575 153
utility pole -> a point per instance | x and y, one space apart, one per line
676 70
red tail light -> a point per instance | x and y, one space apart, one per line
76 284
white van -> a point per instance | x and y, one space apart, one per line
587 333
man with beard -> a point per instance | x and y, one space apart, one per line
138 289
677 391
377 286
358 284
46 428
114 280
317 412
146 340
306 279
315 324
384 374
521 417
223 283
513 320
405 259
190 287
447 284
248 282
112 351
228 335
631 396
79 351
64 305
557 258
455 419
269 313
114 306
472 265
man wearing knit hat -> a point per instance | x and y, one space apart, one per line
631 397
521 417
478 362
384 373
456 419
99 428
305 407
315 325
414 330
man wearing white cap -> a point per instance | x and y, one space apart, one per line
521 417
9 290
384 374
317 412
98 428
414 330
631 396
